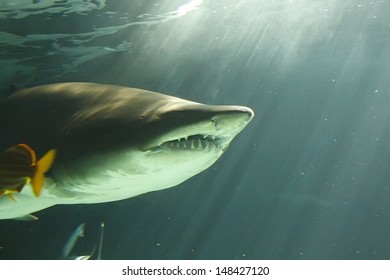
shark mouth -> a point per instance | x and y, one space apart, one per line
198 142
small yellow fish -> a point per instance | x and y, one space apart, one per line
19 166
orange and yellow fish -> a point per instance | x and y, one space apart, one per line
19 166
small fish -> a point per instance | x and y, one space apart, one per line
70 244
19 166
76 235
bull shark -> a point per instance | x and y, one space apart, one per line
112 142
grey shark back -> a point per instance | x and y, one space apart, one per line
112 142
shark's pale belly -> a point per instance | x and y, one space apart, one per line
115 186
26 203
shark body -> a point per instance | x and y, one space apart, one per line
112 142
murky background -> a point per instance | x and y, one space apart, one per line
307 179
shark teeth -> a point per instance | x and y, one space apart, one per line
193 142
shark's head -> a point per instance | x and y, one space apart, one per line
188 138
138 141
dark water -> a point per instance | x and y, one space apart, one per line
307 179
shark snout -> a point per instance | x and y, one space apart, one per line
247 112
243 113
232 120
234 112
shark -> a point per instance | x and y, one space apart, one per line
112 142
